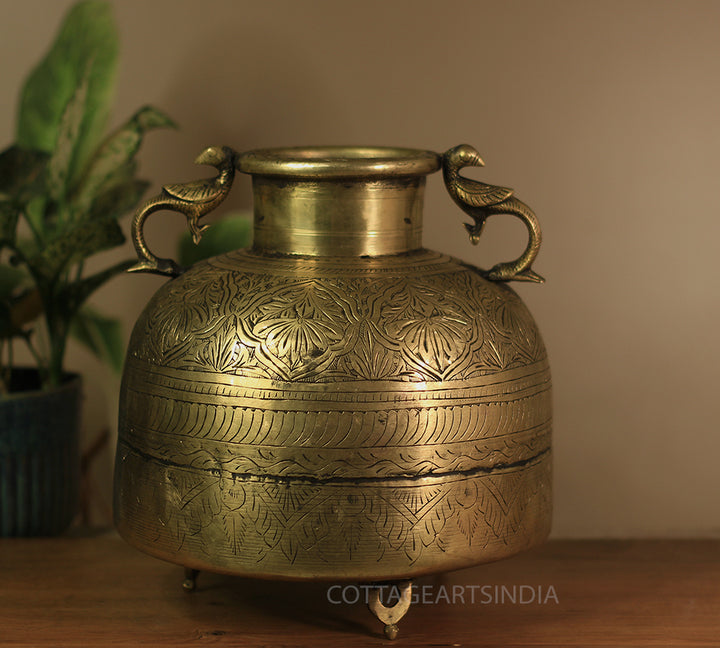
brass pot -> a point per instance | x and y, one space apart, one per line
336 402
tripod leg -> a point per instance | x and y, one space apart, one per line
391 615
190 581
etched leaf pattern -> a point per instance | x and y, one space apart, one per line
445 326
371 357
191 504
305 519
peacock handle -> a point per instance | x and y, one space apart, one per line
192 199
479 201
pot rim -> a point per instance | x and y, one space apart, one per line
325 162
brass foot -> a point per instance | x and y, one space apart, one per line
190 581
391 615
391 631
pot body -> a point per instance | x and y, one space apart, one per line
39 459
372 410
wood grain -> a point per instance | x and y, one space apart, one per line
94 590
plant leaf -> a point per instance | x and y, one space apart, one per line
86 43
25 308
97 231
101 335
21 173
231 233
17 307
6 328
61 160
10 278
9 216
118 200
35 213
116 153
72 243
75 293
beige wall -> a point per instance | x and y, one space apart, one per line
602 115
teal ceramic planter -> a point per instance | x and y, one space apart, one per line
39 458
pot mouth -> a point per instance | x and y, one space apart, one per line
326 162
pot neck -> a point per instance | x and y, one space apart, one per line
338 201
337 218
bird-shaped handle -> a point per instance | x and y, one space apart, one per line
479 200
192 199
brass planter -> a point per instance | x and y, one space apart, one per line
336 402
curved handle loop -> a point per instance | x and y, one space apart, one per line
479 200
192 199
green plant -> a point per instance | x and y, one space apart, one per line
63 186
233 232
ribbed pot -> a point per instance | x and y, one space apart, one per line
39 458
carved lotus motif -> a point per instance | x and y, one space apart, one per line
433 341
329 324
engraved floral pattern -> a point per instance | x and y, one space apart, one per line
323 323
435 331
319 321
298 328
261 520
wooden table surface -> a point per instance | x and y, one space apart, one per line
94 590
